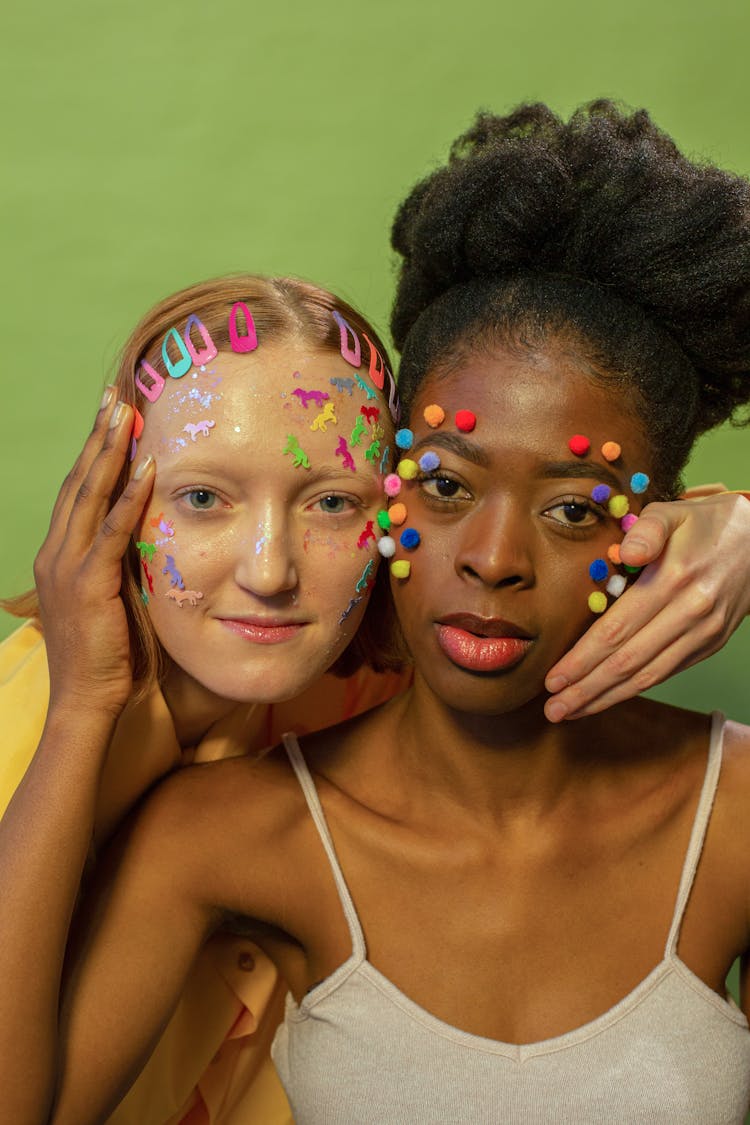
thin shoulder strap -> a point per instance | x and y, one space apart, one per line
304 777
700 825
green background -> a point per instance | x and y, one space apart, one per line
151 144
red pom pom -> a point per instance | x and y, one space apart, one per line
579 445
465 421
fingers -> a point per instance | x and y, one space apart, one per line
85 458
120 523
84 501
647 537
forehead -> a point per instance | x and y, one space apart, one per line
255 403
532 402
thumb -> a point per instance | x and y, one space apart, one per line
647 537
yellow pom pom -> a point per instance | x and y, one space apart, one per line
597 601
408 469
402 567
618 506
434 415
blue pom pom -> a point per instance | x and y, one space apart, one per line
601 493
429 461
598 570
409 538
404 439
639 482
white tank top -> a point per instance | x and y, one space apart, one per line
357 1051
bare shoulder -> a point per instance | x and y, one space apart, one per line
221 829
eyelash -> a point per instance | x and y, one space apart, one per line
580 502
188 492
355 504
442 500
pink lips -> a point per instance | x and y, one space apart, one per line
263 632
482 644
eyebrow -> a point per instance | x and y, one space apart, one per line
454 443
554 470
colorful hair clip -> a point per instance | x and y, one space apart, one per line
377 367
249 341
184 363
353 355
151 390
209 351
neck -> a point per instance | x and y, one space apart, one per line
194 709
504 764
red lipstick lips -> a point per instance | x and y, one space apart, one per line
482 644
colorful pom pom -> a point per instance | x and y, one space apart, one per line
618 506
579 445
639 482
404 439
407 469
434 415
616 585
409 538
429 461
400 568
597 602
627 522
611 451
465 421
601 493
613 554
633 569
598 570
384 520
387 546
397 512
392 484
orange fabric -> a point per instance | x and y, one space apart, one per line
212 1065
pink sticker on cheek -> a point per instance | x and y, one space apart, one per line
176 369
200 357
192 597
247 342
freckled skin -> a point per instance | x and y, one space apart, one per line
253 533
497 551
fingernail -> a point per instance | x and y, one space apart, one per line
555 711
107 397
116 415
637 544
144 466
555 683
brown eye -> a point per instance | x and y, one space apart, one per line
444 487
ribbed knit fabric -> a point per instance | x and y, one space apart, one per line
357 1051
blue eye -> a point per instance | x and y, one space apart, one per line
334 505
201 499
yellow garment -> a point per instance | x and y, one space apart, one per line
212 1065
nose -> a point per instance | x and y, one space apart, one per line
266 563
495 546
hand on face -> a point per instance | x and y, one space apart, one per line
686 604
78 570
255 546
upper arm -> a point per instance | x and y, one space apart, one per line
135 940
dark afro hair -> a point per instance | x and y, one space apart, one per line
598 232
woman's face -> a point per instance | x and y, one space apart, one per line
499 584
257 547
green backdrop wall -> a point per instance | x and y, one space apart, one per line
162 141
